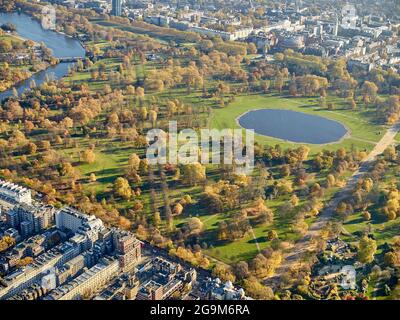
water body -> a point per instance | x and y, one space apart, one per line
62 46
293 126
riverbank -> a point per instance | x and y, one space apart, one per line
19 72
61 46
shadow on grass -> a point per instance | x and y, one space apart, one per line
258 240
108 172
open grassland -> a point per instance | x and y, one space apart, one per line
112 157
380 227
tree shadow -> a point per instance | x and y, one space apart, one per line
258 240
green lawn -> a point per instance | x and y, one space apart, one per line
112 156
9 38
383 230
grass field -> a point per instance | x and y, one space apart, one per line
112 156
383 230
10 39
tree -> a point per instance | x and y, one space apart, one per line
24 262
390 153
193 173
143 113
265 86
122 188
6 242
241 270
264 214
293 88
294 200
257 290
88 156
366 249
31 148
353 104
272 234
285 170
223 272
391 259
195 225
134 162
14 110
156 218
367 215
369 91
143 166
124 223
178 209
251 48
330 180
153 117
140 93
279 82
331 106
68 170
92 177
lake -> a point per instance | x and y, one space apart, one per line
293 126
62 46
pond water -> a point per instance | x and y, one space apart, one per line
29 28
293 126
61 46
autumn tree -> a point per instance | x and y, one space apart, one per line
193 173
122 188
366 249
92 177
369 91
257 290
88 156
223 272
195 225
241 270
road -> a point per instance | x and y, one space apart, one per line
304 245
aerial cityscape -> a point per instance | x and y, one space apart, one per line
200 150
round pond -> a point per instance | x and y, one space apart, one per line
293 126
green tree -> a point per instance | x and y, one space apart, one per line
366 249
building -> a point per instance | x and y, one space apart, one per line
151 290
30 218
292 42
216 290
83 257
116 7
125 287
25 277
127 248
349 17
12 219
74 220
161 278
87 282
230 36
14 194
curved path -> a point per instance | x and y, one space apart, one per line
305 244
